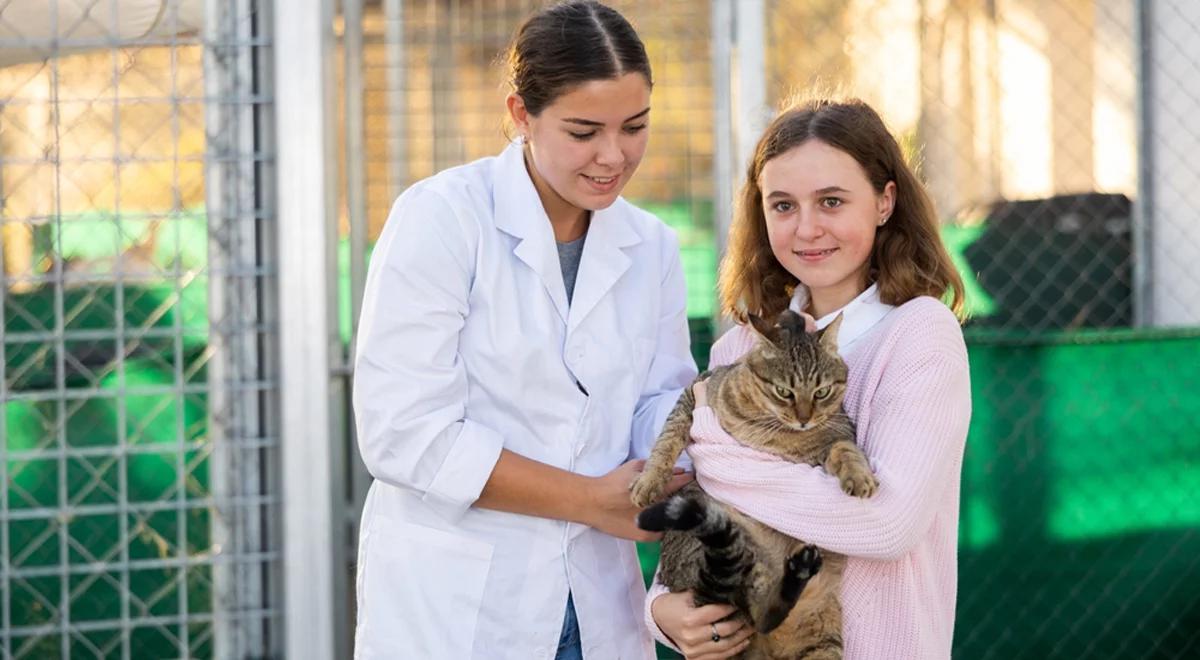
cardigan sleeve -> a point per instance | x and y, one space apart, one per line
731 346
657 589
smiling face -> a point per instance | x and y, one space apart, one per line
585 146
821 213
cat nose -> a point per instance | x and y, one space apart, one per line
803 413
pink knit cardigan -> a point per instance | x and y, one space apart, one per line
909 395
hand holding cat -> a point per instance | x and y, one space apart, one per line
691 628
810 323
610 509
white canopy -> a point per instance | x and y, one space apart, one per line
29 28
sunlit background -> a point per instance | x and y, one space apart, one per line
142 513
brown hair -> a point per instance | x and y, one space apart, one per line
570 43
908 258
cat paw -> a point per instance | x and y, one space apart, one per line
859 483
646 489
806 563
847 462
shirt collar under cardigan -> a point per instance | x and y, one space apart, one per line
861 314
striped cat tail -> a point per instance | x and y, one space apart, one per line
680 513
727 559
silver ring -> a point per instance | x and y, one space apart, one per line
716 636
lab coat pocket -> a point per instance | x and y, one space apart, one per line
420 591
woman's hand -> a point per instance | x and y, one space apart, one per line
810 323
692 628
609 507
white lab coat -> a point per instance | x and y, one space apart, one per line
467 345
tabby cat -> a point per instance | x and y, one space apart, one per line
783 397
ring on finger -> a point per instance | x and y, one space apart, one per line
716 636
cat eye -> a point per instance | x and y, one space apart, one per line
783 392
821 393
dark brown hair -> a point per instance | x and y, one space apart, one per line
569 43
908 259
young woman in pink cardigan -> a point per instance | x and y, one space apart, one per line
833 220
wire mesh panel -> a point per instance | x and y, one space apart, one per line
434 89
1056 140
435 98
433 74
1042 130
138 452
1052 136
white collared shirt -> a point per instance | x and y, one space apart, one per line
860 314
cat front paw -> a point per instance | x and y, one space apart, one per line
647 488
859 482
847 462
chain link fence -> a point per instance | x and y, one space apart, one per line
1051 136
1055 139
139 423
136 427
431 97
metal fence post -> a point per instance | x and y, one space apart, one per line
724 170
1143 215
751 102
740 111
306 157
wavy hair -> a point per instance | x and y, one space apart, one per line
908 259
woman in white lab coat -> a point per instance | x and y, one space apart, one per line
501 395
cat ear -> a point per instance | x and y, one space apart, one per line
764 329
829 335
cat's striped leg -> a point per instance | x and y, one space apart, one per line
774 606
650 484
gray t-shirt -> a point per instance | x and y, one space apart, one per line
568 258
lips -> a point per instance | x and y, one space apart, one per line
814 255
602 184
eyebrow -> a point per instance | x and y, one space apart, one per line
823 191
831 189
589 122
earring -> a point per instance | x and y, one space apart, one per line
883 221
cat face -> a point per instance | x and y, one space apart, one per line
800 378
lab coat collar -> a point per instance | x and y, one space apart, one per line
860 314
519 213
